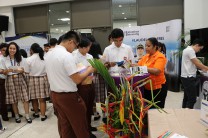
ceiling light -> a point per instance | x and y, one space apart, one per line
129 24
123 13
61 30
125 18
56 29
120 6
49 10
52 24
67 11
64 19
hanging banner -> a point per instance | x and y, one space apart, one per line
25 41
167 32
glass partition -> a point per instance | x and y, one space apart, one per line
124 13
59 19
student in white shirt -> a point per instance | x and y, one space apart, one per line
16 87
63 79
189 66
86 88
117 51
38 86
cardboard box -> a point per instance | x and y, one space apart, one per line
182 121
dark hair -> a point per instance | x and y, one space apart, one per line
85 42
3 45
17 55
53 41
198 41
37 49
46 45
91 38
69 35
23 53
109 37
116 33
154 42
163 47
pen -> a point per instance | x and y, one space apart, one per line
162 134
167 134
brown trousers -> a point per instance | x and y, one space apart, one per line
3 106
71 113
87 92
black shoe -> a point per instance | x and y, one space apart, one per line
18 120
43 119
36 115
5 118
33 109
92 136
93 129
29 120
104 120
97 117
20 115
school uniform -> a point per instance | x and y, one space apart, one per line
38 86
69 106
3 107
86 91
15 85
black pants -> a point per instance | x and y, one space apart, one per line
160 97
3 106
190 92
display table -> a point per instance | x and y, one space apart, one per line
181 121
135 79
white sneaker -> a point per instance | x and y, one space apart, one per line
2 130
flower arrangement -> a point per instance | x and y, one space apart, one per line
125 106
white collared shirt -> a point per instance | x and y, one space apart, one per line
60 65
117 54
7 63
188 69
1 67
79 58
36 66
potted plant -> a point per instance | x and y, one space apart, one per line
125 106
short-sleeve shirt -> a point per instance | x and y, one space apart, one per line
36 66
188 69
79 58
158 61
60 65
1 67
117 54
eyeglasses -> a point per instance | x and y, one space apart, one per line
75 43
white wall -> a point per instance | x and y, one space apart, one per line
195 14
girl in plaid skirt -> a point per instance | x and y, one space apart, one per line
16 87
38 85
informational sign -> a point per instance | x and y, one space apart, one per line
168 33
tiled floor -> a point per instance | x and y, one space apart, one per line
48 128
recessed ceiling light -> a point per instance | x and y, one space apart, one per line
57 29
119 5
67 11
123 13
49 10
52 24
64 19
125 18
129 24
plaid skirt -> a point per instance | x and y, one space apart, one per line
16 89
38 87
100 88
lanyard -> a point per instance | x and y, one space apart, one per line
12 62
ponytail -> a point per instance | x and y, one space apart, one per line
37 49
